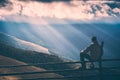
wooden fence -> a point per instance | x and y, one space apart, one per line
100 69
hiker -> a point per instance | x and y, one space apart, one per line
95 52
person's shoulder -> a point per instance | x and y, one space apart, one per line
92 44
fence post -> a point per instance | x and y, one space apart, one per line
100 70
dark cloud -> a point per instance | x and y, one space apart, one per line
46 1
114 5
3 3
68 0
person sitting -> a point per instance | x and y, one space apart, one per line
95 50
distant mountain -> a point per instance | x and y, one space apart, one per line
12 47
21 44
28 56
27 52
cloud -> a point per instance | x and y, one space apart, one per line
76 10
47 1
3 3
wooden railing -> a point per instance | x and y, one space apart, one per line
100 70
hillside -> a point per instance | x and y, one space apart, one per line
9 61
22 44
32 57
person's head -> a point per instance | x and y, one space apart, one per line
94 39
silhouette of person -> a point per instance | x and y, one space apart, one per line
95 52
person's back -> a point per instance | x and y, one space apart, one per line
95 51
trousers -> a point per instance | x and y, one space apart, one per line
84 56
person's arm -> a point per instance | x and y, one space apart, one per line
86 50
102 43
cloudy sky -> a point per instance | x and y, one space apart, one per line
65 9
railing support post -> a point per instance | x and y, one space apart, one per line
100 70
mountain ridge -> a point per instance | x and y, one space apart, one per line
22 44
